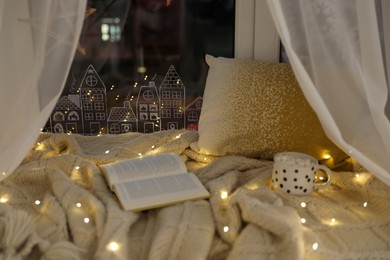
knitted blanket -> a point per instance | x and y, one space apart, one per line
57 205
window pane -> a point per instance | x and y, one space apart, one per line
127 44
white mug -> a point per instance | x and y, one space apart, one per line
295 173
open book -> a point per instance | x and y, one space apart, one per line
152 181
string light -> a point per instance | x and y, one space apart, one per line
315 246
225 229
303 204
326 156
333 220
3 200
37 202
303 220
139 154
113 246
224 195
365 204
77 167
78 204
107 151
86 220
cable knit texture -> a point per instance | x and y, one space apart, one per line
57 205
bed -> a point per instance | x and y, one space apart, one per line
57 204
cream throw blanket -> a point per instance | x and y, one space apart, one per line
57 205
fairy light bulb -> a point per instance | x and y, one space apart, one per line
303 205
107 151
315 246
113 246
326 156
78 204
365 204
224 195
77 167
3 199
225 229
333 220
303 220
37 202
86 220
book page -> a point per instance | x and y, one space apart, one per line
143 167
159 191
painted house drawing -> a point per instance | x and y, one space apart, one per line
66 115
122 119
172 93
147 110
154 108
192 113
93 103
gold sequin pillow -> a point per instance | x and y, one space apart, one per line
256 109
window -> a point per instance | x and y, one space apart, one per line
176 103
166 104
91 81
98 97
153 107
148 95
87 106
100 116
166 94
99 106
166 113
192 116
58 116
128 44
88 116
177 113
176 94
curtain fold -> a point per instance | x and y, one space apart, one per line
38 39
336 50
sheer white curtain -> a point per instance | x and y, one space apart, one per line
38 39
337 50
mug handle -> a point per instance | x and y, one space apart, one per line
328 173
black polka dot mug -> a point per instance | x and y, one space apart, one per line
295 173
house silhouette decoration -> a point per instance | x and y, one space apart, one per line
155 108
